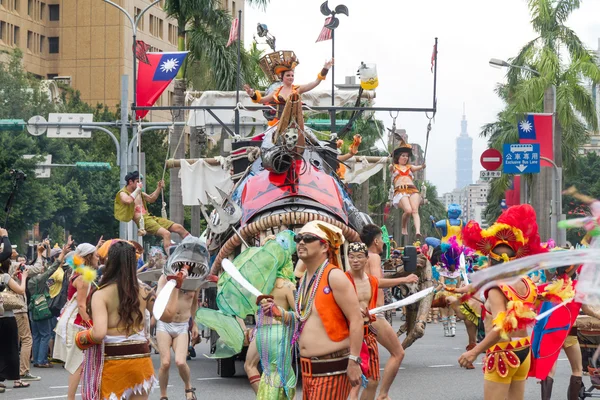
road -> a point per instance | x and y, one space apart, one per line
429 371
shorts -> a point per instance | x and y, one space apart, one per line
152 224
570 341
174 329
400 193
505 366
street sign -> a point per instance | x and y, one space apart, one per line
71 132
491 159
490 174
35 130
41 171
522 158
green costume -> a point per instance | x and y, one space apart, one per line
125 213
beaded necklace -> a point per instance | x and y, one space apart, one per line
304 307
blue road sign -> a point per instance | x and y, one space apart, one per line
521 158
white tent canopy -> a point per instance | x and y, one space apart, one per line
214 98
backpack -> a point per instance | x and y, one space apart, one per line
58 302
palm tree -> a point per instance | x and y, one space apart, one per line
562 60
203 29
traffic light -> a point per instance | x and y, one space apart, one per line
93 166
11 124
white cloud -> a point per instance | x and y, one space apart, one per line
398 36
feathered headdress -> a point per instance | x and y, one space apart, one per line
515 228
451 252
274 64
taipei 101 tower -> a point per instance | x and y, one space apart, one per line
464 155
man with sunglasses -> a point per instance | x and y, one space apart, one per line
367 287
372 236
507 345
328 313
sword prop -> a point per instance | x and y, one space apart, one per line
413 298
556 307
239 278
165 294
463 269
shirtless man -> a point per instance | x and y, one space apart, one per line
174 335
331 326
129 205
372 236
367 288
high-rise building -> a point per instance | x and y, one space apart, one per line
464 156
87 44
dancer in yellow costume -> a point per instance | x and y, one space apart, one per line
509 309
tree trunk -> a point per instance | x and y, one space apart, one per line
177 152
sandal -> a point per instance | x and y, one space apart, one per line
20 385
193 392
164 398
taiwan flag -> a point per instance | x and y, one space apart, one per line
537 128
154 77
512 195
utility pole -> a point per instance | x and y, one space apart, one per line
123 143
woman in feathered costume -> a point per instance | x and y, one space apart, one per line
509 308
448 262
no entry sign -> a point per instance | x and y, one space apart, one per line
491 159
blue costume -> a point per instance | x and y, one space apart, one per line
453 225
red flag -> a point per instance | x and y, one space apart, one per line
141 49
325 32
433 55
537 128
512 196
233 32
154 77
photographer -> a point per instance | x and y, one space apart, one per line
40 312
9 335
22 314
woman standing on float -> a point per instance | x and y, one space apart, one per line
282 68
406 194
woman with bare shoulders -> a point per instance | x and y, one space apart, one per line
118 308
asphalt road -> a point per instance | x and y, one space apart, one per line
429 371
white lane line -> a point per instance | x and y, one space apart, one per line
210 379
381 369
441 366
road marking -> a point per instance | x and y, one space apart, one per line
210 379
441 366
381 369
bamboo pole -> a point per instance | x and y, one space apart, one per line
171 163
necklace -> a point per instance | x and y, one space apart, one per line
304 306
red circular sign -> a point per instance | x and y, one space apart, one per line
491 159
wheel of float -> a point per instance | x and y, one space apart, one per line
226 367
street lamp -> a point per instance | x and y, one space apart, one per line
549 106
497 63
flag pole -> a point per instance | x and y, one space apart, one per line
333 81
237 87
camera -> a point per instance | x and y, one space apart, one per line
18 175
22 267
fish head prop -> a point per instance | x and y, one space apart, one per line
191 252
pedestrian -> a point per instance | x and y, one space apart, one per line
22 314
74 317
41 316
9 332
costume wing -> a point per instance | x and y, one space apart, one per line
259 265
231 335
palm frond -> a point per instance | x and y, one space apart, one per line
564 8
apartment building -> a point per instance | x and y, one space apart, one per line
88 43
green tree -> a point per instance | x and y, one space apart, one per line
562 60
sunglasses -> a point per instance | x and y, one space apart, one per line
307 238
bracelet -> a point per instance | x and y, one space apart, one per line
84 340
321 77
256 97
